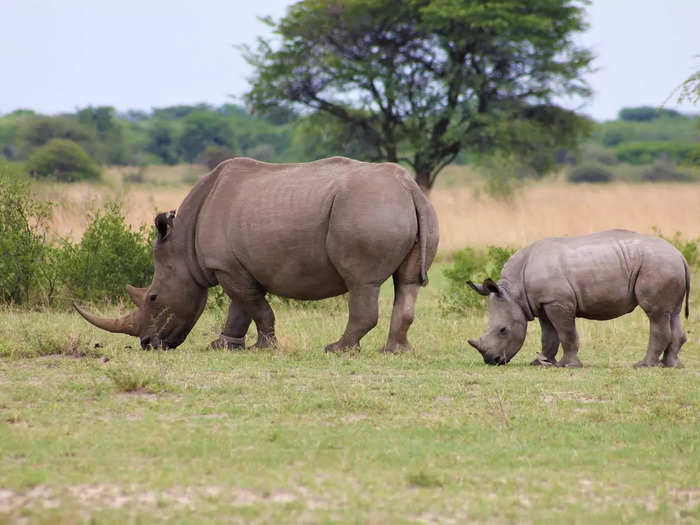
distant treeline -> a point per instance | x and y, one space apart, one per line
207 134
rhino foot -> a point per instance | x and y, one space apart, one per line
265 341
541 360
571 362
340 348
228 343
396 348
646 364
676 363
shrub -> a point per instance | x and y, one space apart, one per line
213 155
23 223
473 265
648 152
664 170
63 160
688 247
110 255
589 173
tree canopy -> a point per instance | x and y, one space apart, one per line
422 80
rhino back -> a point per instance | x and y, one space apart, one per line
274 220
595 274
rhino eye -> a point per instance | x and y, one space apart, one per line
503 331
153 297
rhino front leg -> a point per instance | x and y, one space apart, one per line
363 306
237 323
660 339
550 345
264 318
564 322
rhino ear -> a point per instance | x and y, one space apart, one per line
164 223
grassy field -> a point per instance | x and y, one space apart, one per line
92 429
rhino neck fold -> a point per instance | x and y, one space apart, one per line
188 217
517 292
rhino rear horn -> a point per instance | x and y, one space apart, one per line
164 223
485 289
121 325
136 295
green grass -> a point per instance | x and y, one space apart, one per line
91 430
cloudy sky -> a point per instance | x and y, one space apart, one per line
57 55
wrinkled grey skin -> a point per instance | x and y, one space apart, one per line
304 231
599 276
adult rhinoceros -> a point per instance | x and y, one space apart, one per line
304 231
599 276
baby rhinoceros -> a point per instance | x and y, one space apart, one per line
599 276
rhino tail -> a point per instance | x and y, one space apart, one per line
427 226
687 288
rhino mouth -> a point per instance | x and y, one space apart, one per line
489 359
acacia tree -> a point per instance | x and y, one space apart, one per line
422 80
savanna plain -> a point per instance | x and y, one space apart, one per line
94 429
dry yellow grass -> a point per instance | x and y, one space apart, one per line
549 209
467 216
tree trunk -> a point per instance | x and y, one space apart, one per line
423 181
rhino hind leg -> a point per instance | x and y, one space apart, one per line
660 339
678 338
363 307
550 345
405 295
237 323
564 322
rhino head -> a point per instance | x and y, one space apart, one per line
507 327
168 308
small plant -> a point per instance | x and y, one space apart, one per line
129 379
473 265
423 480
590 173
63 160
664 170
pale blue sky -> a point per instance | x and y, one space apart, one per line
57 55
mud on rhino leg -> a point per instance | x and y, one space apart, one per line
237 323
550 344
363 306
405 295
564 322
678 338
660 339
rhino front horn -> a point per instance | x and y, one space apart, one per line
121 325
475 344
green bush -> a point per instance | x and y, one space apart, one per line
23 223
63 160
688 247
648 152
590 173
664 170
473 265
110 255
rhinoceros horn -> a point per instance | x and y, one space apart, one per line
136 294
121 325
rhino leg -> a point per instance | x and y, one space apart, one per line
550 344
678 336
363 306
237 323
564 322
405 295
264 319
660 338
